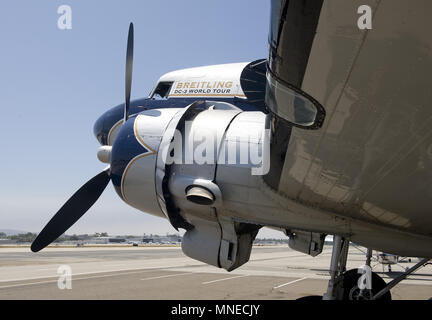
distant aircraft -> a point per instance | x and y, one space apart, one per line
385 259
342 122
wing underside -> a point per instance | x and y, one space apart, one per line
371 157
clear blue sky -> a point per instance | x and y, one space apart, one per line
55 83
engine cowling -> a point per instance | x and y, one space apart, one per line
133 158
179 164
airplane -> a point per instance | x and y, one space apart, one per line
385 259
341 120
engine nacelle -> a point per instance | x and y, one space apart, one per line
179 164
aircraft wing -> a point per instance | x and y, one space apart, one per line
365 151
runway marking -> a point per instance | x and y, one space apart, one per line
291 282
143 269
171 275
27 284
207 282
74 279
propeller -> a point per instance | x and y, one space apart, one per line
72 210
87 195
128 75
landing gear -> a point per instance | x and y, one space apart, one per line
337 268
310 298
358 284
345 285
368 257
398 279
351 290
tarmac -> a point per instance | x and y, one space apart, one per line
273 272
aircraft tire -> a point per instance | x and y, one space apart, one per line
351 289
310 298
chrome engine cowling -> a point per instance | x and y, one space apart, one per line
179 163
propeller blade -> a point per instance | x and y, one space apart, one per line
72 210
128 76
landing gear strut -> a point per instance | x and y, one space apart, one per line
368 257
403 276
337 268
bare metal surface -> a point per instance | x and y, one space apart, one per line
372 159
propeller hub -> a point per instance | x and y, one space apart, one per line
104 154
